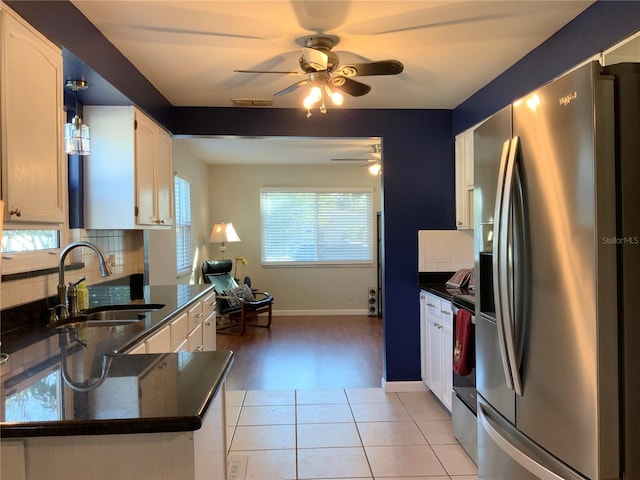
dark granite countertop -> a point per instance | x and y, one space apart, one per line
435 283
77 382
174 298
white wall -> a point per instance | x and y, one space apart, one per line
197 173
234 197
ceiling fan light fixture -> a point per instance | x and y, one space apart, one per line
336 97
375 168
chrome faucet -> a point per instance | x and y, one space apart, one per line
105 270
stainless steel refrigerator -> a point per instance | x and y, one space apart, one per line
557 223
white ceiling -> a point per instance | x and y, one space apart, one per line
281 150
189 49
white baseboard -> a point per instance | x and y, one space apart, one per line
412 386
302 313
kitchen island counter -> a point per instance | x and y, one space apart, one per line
78 381
73 405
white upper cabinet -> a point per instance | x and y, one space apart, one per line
33 173
129 174
464 180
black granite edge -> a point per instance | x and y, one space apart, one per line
216 386
127 426
435 283
438 290
463 302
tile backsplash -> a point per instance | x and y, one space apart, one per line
444 250
124 248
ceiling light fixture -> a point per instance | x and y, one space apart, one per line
76 133
317 93
375 168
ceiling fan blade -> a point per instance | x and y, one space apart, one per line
316 59
291 88
349 86
270 71
382 67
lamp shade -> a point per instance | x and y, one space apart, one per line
223 233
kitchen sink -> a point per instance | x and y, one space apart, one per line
109 316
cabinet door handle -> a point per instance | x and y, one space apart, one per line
16 211
431 305
446 312
200 315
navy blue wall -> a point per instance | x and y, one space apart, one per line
599 27
417 185
418 175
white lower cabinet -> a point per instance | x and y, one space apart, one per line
436 346
192 330
209 323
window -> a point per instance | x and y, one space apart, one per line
316 226
30 247
14 241
183 224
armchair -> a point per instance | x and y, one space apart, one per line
236 302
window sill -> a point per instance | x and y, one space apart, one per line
39 273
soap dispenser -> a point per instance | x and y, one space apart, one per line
83 296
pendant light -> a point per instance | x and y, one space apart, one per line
76 133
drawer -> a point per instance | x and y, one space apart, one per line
179 330
160 342
434 306
195 315
446 312
195 339
209 304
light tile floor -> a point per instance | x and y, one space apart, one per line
363 433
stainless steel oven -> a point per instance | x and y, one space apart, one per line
464 402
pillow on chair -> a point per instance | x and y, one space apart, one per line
244 292
233 300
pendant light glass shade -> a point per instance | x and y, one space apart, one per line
76 134
76 137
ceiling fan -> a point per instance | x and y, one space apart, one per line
326 76
373 163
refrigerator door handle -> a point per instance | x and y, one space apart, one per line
511 450
499 257
507 286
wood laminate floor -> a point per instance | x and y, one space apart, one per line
306 352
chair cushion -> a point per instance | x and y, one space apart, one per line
244 292
233 300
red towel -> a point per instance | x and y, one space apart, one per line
463 348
